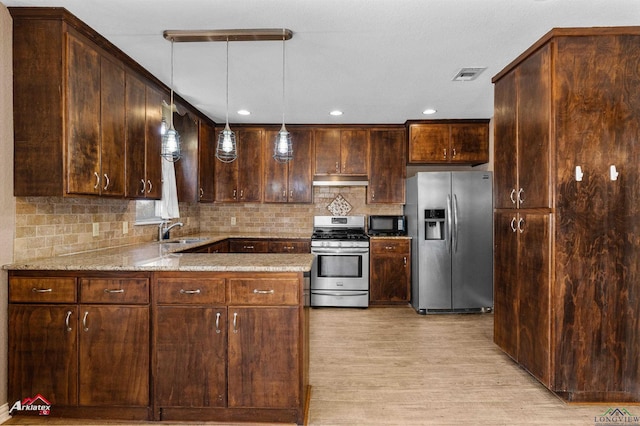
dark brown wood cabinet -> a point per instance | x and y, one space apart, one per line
190 324
241 180
206 161
143 140
387 165
390 271
289 182
566 270
70 337
242 245
77 144
289 246
186 169
448 141
221 340
341 151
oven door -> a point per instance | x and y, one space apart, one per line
340 269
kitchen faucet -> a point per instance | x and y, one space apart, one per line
163 229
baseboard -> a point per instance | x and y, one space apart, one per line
4 413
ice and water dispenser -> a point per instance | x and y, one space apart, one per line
434 224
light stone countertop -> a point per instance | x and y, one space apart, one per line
164 256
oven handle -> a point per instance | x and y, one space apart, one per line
340 293
339 250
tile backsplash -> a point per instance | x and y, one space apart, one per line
51 226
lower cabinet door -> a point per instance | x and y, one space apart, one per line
114 355
191 351
264 357
43 349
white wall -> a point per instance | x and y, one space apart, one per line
7 201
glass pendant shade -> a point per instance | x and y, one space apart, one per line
171 145
282 148
226 149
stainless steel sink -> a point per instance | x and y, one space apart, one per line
185 241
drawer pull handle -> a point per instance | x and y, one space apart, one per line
66 321
97 180
248 247
388 247
183 291
84 321
109 291
217 322
235 323
41 290
256 291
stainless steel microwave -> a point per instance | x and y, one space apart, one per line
387 225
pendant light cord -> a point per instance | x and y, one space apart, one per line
171 106
283 39
227 99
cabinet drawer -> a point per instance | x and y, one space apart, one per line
42 289
114 290
390 246
248 246
284 246
255 291
190 291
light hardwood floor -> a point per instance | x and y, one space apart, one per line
391 366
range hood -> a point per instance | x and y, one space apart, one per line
340 181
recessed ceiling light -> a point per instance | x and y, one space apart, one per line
429 111
244 112
335 112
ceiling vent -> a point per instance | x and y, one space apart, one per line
468 74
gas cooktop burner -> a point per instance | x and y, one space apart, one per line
357 235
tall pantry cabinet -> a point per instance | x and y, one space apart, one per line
567 233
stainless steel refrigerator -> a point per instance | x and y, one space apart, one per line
450 221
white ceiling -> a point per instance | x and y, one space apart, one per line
380 61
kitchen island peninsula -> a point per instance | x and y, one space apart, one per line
147 332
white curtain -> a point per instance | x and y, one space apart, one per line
167 207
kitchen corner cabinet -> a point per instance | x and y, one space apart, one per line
73 142
254 339
341 151
241 180
143 139
289 182
448 141
387 160
390 271
566 266
69 337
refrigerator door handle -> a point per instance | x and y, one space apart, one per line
448 233
454 236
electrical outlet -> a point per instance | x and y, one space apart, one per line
96 229
125 227
233 220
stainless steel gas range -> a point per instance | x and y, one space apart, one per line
340 272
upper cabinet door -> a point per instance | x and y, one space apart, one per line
428 143
388 158
112 127
327 147
276 174
153 165
470 143
83 118
534 118
300 183
187 166
505 141
354 152
250 164
206 155
135 105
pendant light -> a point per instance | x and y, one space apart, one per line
282 147
171 138
226 150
